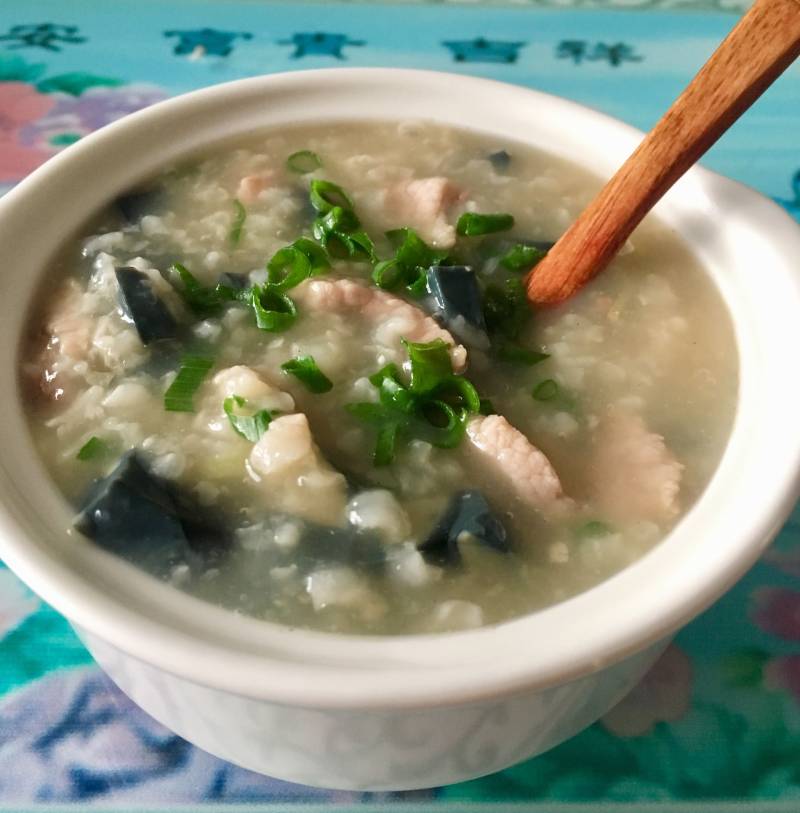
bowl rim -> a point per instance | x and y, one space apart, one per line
613 620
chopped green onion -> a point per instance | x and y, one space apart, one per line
93 449
315 254
335 221
303 162
593 528
361 243
192 372
237 229
413 257
521 257
388 274
434 406
430 364
385 444
203 301
445 427
546 390
325 195
472 224
419 286
250 427
305 370
288 267
460 393
338 230
274 310
392 392
487 407
515 354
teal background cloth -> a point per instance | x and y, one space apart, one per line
716 724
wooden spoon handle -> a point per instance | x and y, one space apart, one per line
762 45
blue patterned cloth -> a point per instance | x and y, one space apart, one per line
718 716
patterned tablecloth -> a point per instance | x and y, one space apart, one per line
716 724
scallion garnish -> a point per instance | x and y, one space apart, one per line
515 354
237 229
274 310
385 444
325 195
430 365
472 224
287 268
409 266
546 390
521 257
203 301
303 162
317 256
305 370
93 449
192 372
338 227
593 528
434 405
250 427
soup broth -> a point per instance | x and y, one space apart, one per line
296 377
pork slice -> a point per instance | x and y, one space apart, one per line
293 475
247 383
392 318
66 338
423 204
636 477
517 463
251 186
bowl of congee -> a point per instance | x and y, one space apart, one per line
317 488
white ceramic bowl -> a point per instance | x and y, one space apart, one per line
402 712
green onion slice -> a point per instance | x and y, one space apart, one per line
593 528
201 300
337 221
434 405
413 257
430 364
237 229
93 449
287 268
459 393
521 257
388 274
305 370
315 254
325 195
546 390
385 444
303 162
472 224
274 310
192 372
515 354
250 427
444 426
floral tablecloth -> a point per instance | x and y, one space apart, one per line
716 724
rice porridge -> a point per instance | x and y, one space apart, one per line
297 377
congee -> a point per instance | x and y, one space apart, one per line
296 376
